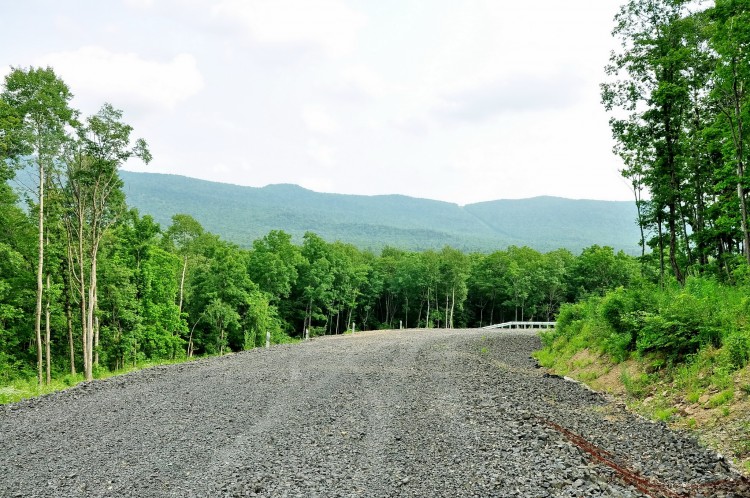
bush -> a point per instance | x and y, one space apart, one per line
681 327
617 346
736 349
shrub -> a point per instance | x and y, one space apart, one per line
736 349
681 327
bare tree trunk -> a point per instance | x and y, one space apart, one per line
661 250
446 311
96 327
91 309
40 276
453 304
48 332
427 323
182 281
406 317
71 343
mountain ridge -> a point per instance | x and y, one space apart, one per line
242 214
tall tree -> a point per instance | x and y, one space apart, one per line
41 101
650 94
96 201
731 41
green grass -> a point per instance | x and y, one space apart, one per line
721 398
636 386
19 389
665 414
29 388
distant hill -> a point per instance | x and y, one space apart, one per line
243 214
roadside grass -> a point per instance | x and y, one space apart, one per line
28 387
24 388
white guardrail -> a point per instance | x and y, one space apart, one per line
522 325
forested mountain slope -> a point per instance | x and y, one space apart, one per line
243 214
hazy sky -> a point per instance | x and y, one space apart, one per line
461 101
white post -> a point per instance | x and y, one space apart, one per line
268 338
400 325
307 334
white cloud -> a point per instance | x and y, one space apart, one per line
126 78
362 80
318 120
139 4
519 93
321 154
327 24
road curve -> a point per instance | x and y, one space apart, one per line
382 414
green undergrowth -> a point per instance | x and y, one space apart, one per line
676 354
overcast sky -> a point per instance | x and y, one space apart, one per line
461 101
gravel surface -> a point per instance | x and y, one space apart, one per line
405 413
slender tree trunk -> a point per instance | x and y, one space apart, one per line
406 317
453 304
71 342
182 282
91 310
40 276
427 322
48 331
445 325
661 250
637 192
96 326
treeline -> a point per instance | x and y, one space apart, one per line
678 91
87 284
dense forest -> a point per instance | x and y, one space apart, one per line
89 285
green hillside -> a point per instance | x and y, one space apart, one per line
243 214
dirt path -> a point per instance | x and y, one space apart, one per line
409 413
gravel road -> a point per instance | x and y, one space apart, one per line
403 413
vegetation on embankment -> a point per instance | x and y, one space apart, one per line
672 353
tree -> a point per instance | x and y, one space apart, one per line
653 94
731 41
454 273
40 100
315 279
599 269
181 236
273 264
95 202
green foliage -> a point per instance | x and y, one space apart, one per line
721 398
737 349
638 386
